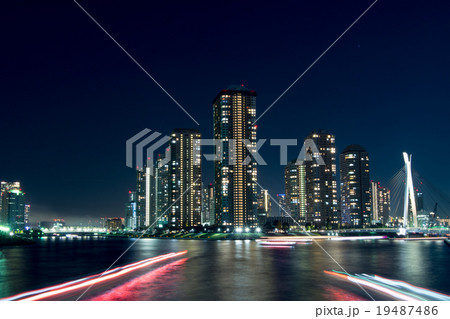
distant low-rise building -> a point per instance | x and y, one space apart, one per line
114 224
56 223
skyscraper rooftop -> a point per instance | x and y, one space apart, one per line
354 148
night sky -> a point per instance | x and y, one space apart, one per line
70 98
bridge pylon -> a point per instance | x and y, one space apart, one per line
410 196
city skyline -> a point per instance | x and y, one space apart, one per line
311 198
87 143
238 151
144 219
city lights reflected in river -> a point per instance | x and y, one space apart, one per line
221 270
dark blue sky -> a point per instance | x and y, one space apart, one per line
70 97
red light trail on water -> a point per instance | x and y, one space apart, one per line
339 294
91 280
145 287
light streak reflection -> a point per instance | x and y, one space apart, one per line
394 288
53 291
143 287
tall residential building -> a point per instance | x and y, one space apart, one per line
235 179
205 206
2 189
185 174
131 211
27 215
282 207
152 193
380 203
162 190
419 200
355 186
211 202
208 205
3 214
13 206
294 184
264 206
321 184
145 196
141 198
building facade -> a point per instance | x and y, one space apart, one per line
380 203
162 190
208 216
131 211
146 184
321 182
264 206
235 178
295 189
114 224
211 202
27 215
282 207
419 200
12 212
185 182
141 198
355 186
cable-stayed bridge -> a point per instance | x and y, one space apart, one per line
418 203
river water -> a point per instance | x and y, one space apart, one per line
224 270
